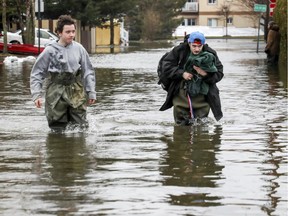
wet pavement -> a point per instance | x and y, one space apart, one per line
133 160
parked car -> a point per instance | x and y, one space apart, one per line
46 36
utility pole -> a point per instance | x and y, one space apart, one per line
39 26
39 7
261 8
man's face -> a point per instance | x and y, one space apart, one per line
68 34
196 48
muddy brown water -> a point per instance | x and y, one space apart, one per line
133 160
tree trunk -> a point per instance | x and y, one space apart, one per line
266 21
21 23
30 24
111 31
4 25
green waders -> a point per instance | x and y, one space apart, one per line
65 101
181 108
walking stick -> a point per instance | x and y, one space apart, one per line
190 106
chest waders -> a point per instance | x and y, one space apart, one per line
187 108
65 101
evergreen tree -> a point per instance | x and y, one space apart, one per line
144 19
111 10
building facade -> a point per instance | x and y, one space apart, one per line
214 13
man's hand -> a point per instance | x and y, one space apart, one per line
38 102
91 101
187 76
200 71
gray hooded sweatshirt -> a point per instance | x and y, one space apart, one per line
56 59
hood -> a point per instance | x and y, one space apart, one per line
275 27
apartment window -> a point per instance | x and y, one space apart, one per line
212 1
229 20
212 22
189 22
192 0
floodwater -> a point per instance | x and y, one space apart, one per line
133 160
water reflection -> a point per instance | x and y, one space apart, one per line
67 155
107 81
272 171
67 164
191 162
119 166
276 73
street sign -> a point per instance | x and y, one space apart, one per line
41 3
260 7
271 13
271 8
272 5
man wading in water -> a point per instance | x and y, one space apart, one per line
194 69
71 79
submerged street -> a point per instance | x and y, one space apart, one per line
133 160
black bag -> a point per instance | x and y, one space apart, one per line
163 80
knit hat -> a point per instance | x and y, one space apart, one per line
196 36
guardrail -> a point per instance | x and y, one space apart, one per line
190 7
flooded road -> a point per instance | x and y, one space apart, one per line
133 160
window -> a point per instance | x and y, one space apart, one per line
189 22
192 0
229 20
212 1
44 34
212 22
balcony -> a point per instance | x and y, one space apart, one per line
190 7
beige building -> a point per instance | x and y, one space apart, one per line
213 13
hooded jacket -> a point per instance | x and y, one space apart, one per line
58 59
273 40
173 67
